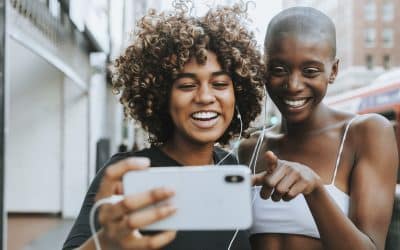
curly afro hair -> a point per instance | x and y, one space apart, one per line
164 42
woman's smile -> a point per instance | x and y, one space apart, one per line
296 104
205 119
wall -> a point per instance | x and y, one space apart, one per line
33 142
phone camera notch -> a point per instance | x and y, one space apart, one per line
234 178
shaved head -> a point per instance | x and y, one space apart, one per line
303 23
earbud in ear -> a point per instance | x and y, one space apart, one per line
238 113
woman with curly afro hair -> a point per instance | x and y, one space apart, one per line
191 82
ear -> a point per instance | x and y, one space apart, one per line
334 71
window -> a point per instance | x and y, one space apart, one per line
388 10
369 62
386 61
370 10
369 37
387 38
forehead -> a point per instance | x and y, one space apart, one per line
289 46
210 65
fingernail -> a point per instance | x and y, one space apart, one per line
169 191
169 209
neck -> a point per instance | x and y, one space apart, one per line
189 154
317 121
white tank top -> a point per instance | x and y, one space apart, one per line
294 216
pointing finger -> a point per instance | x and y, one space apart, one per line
271 161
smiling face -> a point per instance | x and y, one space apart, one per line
299 70
202 102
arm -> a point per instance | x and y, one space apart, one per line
372 187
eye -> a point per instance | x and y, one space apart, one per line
278 71
186 85
311 71
220 84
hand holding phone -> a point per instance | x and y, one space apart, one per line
206 197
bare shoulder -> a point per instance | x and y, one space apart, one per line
371 125
374 137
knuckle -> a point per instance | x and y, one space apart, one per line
108 173
290 168
155 194
296 174
297 169
280 190
160 212
291 194
269 182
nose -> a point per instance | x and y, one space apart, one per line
294 82
205 94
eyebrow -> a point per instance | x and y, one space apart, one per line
274 61
313 62
193 76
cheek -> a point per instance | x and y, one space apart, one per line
176 107
227 102
231 112
274 82
179 101
272 87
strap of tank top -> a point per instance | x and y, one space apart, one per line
341 149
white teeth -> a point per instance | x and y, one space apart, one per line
295 103
204 115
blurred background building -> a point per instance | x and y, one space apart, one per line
366 35
62 121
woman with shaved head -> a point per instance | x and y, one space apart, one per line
327 179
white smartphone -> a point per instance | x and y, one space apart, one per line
206 197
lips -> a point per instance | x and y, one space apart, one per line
205 119
296 104
204 115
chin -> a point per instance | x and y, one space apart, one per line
297 118
206 138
